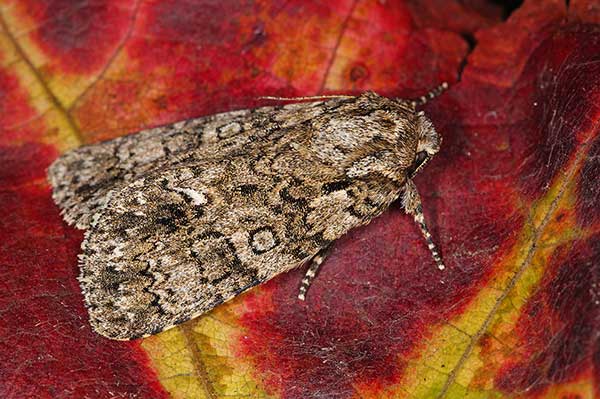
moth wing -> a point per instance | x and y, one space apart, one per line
174 244
83 178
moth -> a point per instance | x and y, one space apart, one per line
184 217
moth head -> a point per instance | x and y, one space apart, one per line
428 139
428 142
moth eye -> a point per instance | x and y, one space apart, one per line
420 159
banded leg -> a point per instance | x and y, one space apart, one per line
412 206
316 262
429 96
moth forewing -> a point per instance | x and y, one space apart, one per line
189 215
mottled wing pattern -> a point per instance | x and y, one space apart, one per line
176 243
81 179
185 217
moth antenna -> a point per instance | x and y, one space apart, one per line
412 206
324 97
429 96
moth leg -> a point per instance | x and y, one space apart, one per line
316 262
429 96
412 206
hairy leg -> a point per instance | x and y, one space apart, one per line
316 262
412 206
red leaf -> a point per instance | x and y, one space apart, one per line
512 198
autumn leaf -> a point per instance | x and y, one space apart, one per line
512 199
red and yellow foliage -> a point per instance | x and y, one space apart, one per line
513 198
